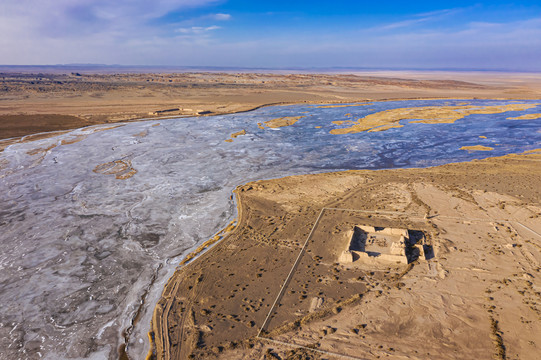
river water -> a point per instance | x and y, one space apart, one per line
82 251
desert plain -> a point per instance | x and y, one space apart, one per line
276 283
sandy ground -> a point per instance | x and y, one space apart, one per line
34 103
274 288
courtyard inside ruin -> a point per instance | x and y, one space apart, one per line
382 245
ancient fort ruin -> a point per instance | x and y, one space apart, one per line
372 245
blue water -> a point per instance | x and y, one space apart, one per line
414 145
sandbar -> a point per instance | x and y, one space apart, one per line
282 122
526 117
477 148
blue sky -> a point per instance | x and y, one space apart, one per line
274 34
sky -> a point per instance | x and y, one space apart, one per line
460 35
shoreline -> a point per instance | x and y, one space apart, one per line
187 261
37 103
4 142
159 333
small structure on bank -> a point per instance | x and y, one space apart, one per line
369 244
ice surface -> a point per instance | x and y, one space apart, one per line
82 250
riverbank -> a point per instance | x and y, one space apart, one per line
476 297
39 103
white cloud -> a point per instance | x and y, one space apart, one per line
221 17
197 29
41 19
60 31
420 18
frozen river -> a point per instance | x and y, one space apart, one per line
93 222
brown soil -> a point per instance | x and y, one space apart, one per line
32 103
474 294
21 125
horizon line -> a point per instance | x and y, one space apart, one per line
91 66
